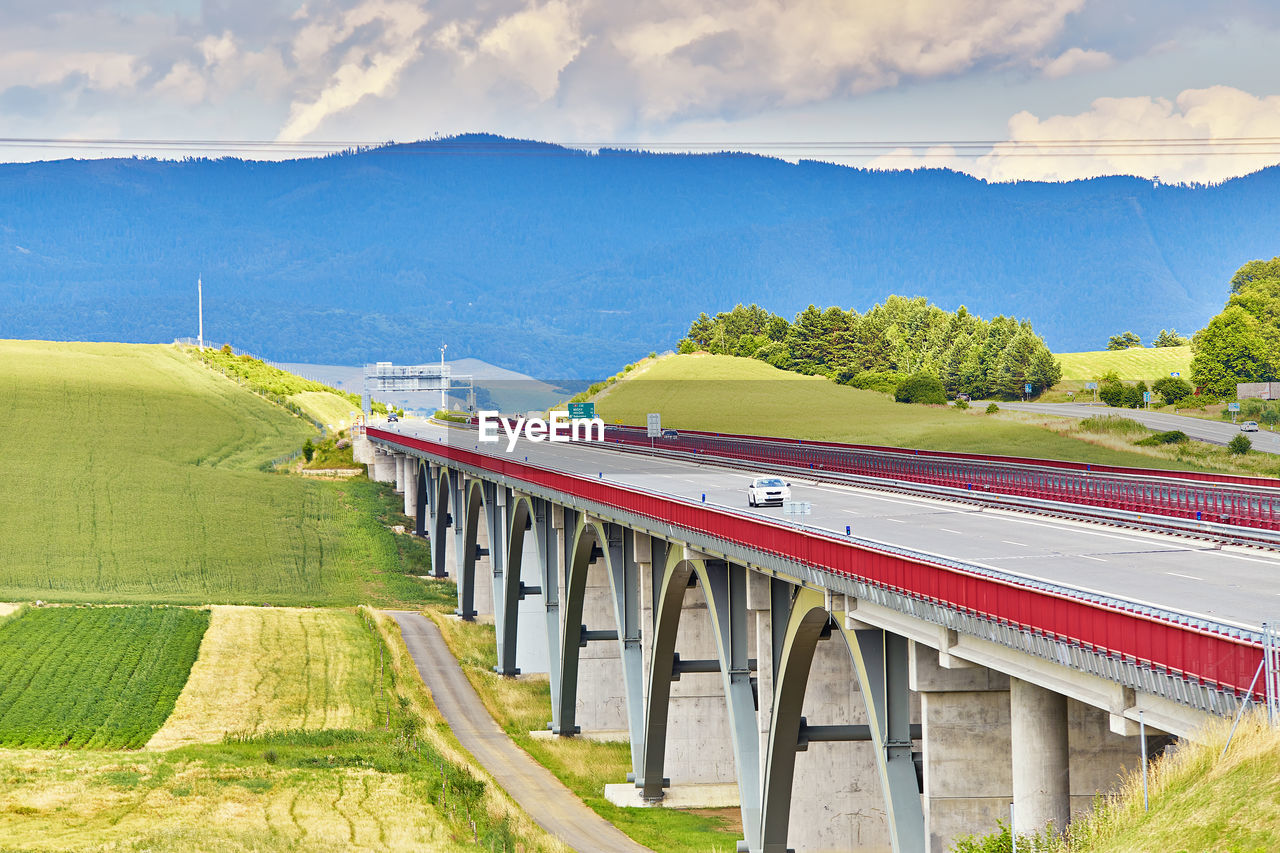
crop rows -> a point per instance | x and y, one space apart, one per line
98 677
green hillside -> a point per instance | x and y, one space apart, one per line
1133 363
132 473
729 394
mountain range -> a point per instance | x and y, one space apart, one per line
558 262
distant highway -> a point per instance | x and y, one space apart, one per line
1214 432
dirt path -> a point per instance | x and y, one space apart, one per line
547 801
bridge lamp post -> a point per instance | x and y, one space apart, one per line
444 402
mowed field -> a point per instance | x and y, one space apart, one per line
723 393
264 670
133 473
330 409
1146 363
98 677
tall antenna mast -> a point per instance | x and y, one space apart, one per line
444 385
200 303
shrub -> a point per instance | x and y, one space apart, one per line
1270 417
653 354
1111 423
992 408
1172 389
871 380
1173 436
961 404
921 388
308 450
1111 392
1239 445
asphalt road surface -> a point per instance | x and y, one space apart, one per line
556 809
1231 584
1214 432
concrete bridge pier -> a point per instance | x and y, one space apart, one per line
383 469
1041 757
402 461
409 483
967 755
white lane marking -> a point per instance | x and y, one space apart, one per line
949 530
1188 577
1250 559
896 520
1096 559
1011 542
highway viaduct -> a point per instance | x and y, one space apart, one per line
887 676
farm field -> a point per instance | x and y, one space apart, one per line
369 767
729 394
274 669
1146 363
136 475
98 677
326 407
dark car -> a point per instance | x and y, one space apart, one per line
391 418
670 433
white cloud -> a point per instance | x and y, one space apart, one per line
368 67
1215 114
1074 61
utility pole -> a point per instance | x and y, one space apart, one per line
200 309
444 400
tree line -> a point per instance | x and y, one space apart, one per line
881 348
1242 342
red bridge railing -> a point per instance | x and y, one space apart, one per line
1203 654
1227 499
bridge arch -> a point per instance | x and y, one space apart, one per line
880 662
520 515
592 539
724 590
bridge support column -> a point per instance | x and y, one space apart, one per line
968 770
1041 758
401 459
411 488
383 469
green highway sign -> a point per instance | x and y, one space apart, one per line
579 411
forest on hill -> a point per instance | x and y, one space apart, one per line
566 263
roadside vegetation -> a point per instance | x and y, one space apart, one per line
144 482
1130 364
97 677
523 705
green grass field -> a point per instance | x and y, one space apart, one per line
98 677
1146 363
132 473
326 407
728 394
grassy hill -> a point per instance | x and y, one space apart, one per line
132 473
1133 363
728 394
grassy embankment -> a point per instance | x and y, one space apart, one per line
1146 363
298 730
523 705
135 475
724 393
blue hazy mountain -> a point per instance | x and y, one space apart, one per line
557 262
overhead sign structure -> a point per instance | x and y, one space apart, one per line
386 379
654 424
582 411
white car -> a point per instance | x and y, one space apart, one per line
1249 426
768 490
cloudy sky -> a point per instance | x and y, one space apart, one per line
1004 89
